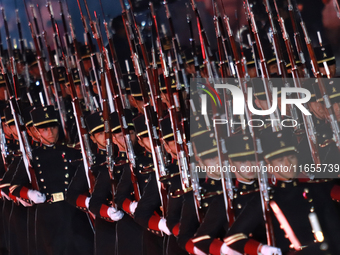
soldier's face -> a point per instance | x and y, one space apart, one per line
2 93
14 131
332 70
99 139
336 109
145 142
7 130
49 135
32 132
120 141
245 170
318 109
212 167
285 167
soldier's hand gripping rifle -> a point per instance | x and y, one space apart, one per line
307 119
330 113
40 59
88 157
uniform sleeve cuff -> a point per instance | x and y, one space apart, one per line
81 201
103 211
24 193
153 222
126 205
335 193
215 247
189 246
175 230
251 247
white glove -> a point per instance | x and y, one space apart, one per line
36 196
133 206
87 202
198 251
3 194
270 250
24 203
225 250
115 214
162 226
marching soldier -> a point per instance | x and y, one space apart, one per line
292 230
60 228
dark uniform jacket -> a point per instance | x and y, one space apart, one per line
296 201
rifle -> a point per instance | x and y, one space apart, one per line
156 148
205 46
14 101
88 157
307 119
262 175
116 65
107 128
297 38
330 113
41 63
87 93
264 69
118 107
54 64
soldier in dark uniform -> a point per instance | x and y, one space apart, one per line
326 60
12 157
241 156
289 199
78 193
148 209
127 231
60 228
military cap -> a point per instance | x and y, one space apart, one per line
189 58
166 129
75 76
95 122
127 78
17 55
287 60
115 124
135 90
31 58
240 146
279 143
269 54
44 116
333 89
198 125
61 75
248 54
172 79
312 85
325 135
27 116
85 51
9 119
259 90
206 145
324 54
